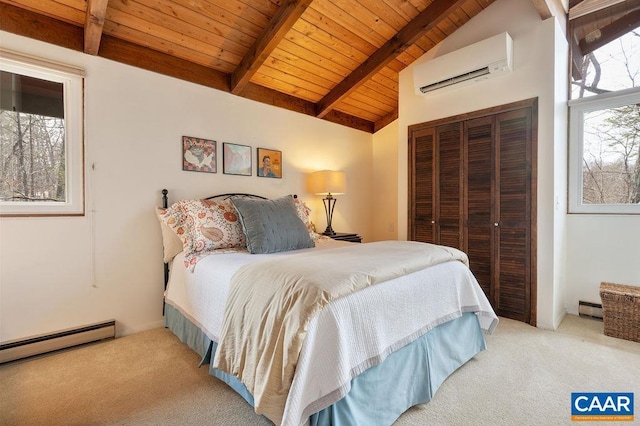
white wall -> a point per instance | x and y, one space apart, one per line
385 183
58 273
600 248
535 68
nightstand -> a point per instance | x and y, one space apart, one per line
352 238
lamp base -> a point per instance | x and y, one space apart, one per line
329 204
329 231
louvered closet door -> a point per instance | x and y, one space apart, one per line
421 214
449 185
479 189
513 214
474 178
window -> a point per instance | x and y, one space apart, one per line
41 138
604 134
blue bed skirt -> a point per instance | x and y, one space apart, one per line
413 373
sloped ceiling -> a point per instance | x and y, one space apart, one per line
337 60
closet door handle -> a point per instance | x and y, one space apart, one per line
495 224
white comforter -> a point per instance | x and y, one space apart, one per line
350 334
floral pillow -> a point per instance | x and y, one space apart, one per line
304 213
205 227
171 243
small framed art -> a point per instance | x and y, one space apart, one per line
236 159
269 163
199 155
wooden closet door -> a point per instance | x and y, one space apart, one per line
472 185
422 180
479 190
436 185
513 207
449 199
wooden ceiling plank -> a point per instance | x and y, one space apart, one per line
160 34
404 8
368 19
27 23
239 15
312 57
388 14
427 19
266 7
370 100
96 12
303 74
384 94
273 33
209 18
303 31
287 59
348 20
145 40
611 32
263 79
339 39
178 28
70 13
294 80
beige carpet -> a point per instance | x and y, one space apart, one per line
525 377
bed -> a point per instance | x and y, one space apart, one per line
331 361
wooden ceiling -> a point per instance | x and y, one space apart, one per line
337 60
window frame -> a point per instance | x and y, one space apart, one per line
72 79
577 109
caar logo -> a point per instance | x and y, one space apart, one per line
602 406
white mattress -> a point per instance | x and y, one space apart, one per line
352 333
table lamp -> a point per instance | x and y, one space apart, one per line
328 183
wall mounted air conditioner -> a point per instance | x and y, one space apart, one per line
482 60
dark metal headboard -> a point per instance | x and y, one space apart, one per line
165 199
165 204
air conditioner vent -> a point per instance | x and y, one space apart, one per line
455 80
486 59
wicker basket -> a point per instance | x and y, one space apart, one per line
621 310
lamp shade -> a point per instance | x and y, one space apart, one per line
326 182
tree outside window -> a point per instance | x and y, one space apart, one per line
607 140
41 170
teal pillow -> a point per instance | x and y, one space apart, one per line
272 225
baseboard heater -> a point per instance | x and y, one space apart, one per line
590 310
37 345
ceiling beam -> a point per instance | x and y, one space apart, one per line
387 119
93 24
577 57
39 27
436 12
287 15
548 8
615 10
611 32
588 7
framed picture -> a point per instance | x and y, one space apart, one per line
236 159
199 155
269 163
